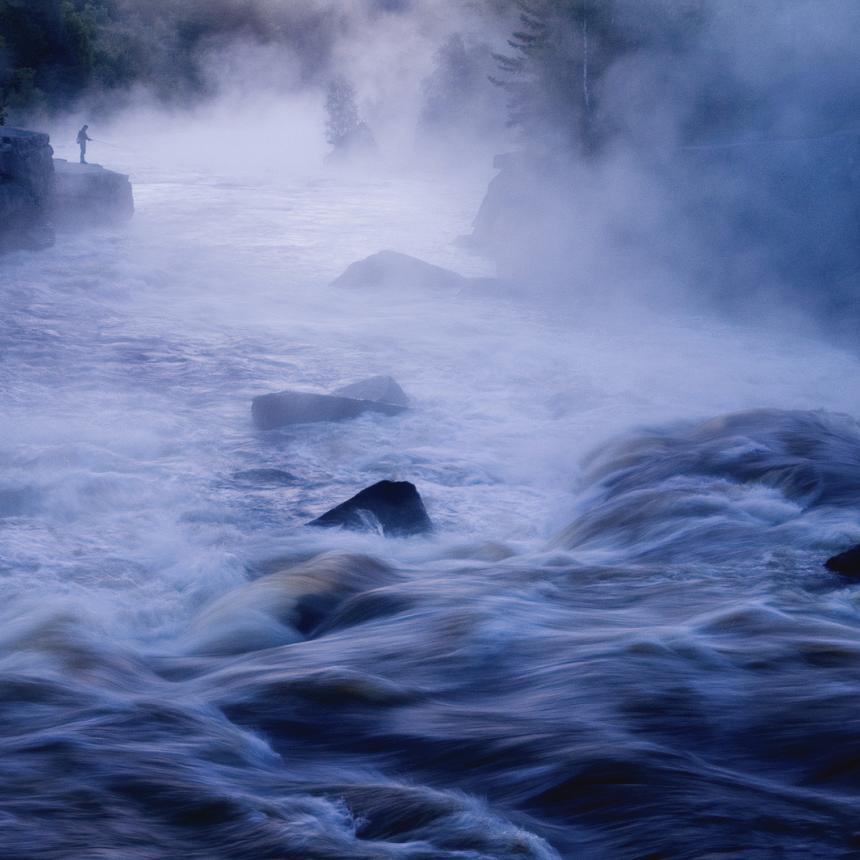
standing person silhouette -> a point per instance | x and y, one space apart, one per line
82 139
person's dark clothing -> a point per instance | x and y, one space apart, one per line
82 139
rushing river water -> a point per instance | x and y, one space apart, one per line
620 642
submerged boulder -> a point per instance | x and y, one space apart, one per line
394 270
265 477
847 563
395 507
300 407
382 389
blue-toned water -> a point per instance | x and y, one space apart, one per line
620 643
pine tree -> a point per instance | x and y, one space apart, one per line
563 51
343 119
345 130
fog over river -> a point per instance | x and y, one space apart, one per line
620 641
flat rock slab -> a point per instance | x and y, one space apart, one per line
395 507
299 407
383 389
88 195
847 563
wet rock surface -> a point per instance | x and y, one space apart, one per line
26 186
87 195
383 389
270 411
847 563
394 507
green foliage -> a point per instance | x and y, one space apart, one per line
51 51
56 51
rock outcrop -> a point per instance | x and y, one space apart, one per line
510 195
39 192
393 507
847 563
87 195
300 407
383 389
780 214
26 187
392 270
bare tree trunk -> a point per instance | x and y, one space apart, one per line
586 94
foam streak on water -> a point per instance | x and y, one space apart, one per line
619 643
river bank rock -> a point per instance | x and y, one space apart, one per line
382 389
775 211
26 188
847 563
87 195
300 407
39 192
394 507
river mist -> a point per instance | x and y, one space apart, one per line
619 641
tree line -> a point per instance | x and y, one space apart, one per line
55 52
575 73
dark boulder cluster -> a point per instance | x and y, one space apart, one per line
393 508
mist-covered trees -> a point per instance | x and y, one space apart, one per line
52 50
458 102
563 51
347 133
559 53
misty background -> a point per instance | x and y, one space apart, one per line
630 422
684 149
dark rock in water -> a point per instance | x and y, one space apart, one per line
265 477
847 563
300 407
382 389
392 269
395 506
87 195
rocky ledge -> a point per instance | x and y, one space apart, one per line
39 193
87 195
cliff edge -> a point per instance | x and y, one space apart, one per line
40 193
26 188
87 195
